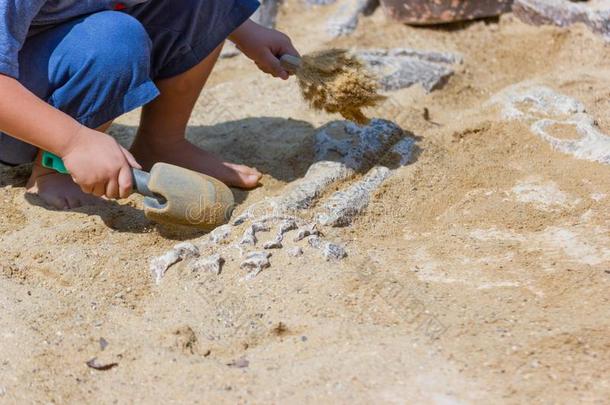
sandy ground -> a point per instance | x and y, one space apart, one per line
479 274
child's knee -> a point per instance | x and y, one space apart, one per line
102 68
117 45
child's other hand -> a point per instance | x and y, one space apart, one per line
264 46
99 165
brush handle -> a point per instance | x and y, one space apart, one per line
290 63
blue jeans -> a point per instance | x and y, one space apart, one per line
100 66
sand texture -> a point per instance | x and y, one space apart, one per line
474 223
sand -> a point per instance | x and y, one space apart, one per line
337 82
479 274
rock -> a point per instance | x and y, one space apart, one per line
302 194
544 110
246 215
211 264
341 149
422 12
358 147
309 230
343 206
332 251
186 250
404 150
315 241
181 251
260 226
287 226
255 262
220 234
402 67
295 251
345 21
275 243
249 237
594 14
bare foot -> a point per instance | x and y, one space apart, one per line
185 154
58 190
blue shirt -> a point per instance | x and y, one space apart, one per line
20 18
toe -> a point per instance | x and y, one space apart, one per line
240 179
245 172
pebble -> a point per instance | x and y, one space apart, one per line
211 264
255 262
295 251
220 234
333 251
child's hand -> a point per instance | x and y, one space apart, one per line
264 46
99 165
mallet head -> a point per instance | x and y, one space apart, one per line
185 197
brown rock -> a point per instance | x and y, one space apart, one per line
594 14
422 12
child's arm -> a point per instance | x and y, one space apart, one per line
264 46
98 164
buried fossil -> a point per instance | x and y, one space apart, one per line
278 224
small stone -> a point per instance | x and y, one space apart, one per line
212 264
306 231
255 262
275 243
249 237
220 234
332 251
239 363
181 251
315 241
243 218
295 251
287 226
186 250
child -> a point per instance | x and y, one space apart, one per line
70 67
